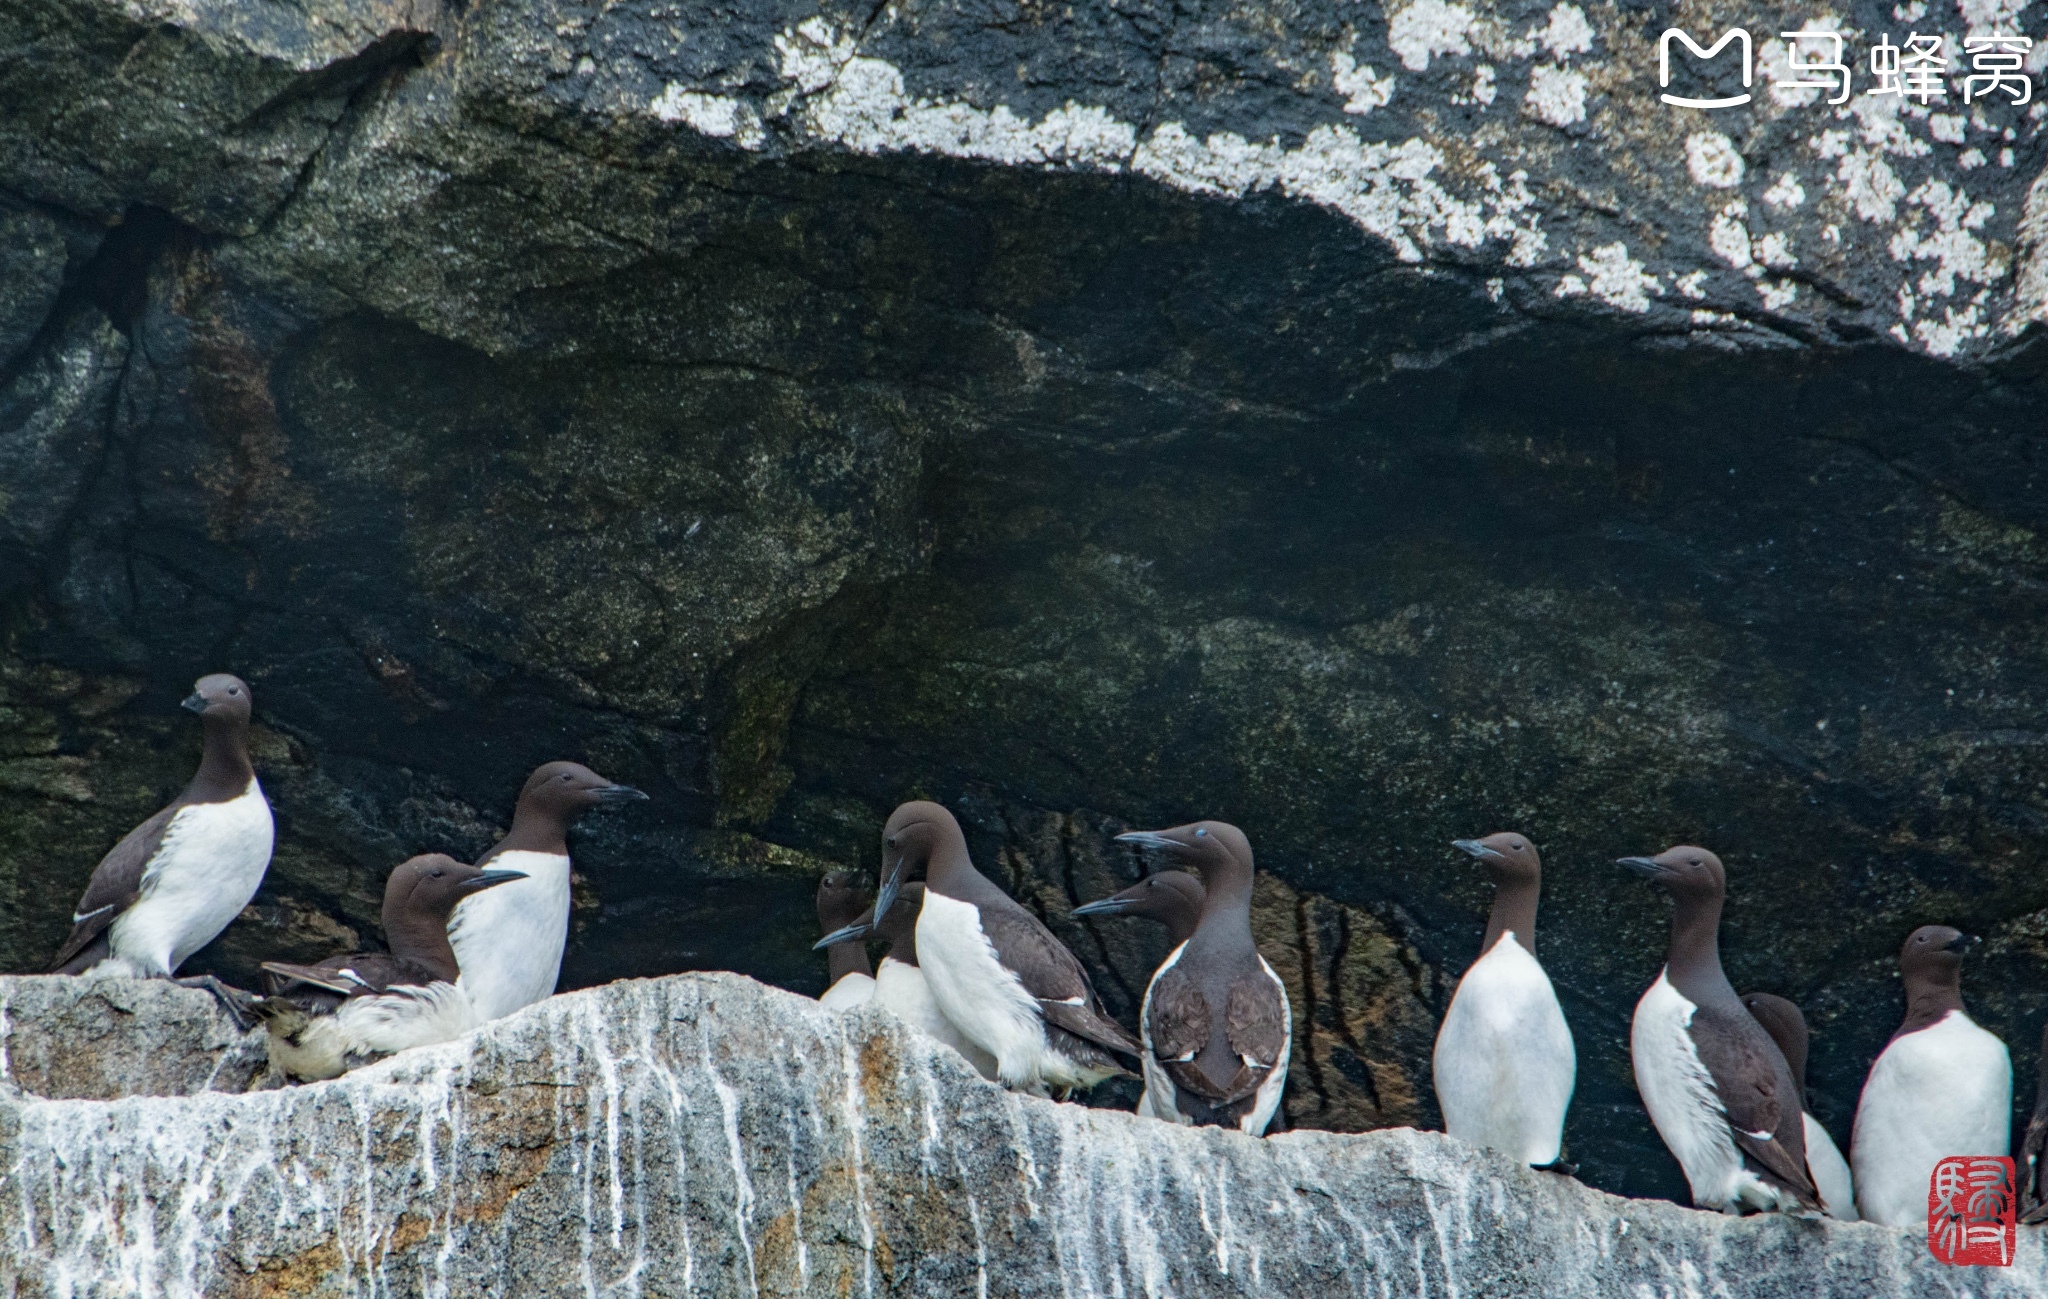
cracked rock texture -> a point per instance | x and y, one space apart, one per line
702 1134
1371 425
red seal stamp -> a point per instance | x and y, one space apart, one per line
1971 1211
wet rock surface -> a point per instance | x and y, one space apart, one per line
1373 426
707 1135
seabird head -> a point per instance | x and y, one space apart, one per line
1508 856
432 883
915 831
840 900
1684 871
566 790
898 928
1158 896
221 696
1205 845
1935 950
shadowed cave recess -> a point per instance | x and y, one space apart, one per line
1078 505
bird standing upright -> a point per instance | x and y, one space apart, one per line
849 979
327 1018
509 940
1717 1088
175 881
1942 1086
996 972
1216 1024
1824 1162
1504 1063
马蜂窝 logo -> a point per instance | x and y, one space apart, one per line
1971 1211
1819 60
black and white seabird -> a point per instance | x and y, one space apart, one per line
1216 1024
849 979
175 881
996 972
509 940
2034 1147
899 984
1717 1088
1172 898
328 1018
1824 1162
1942 1086
1504 1064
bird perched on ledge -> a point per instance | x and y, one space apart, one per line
850 980
1717 1088
175 881
1504 1063
1173 899
1824 1162
326 1019
996 972
510 940
899 986
1216 1024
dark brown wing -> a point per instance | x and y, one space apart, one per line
1757 1091
1256 1020
115 886
1178 1021
355 975
1053 975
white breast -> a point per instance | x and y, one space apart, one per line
1686 1108
508 940
1830 1173
851 990
1504 1063
208 866
1944 1090
904 992
983 1000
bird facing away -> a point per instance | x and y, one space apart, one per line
1717 1088
1824 1162
1942 1086
328 1018
2034 1146
996 972
1504 1063
1172 898
509 940
899 984
849 980
175 881
1216 1025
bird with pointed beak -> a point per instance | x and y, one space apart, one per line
1216 1026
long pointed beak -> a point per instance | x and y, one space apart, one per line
1476 849
1963 942
194 703
1646 867
851 933
491 880
1147 839
885 896
619 794
1104 907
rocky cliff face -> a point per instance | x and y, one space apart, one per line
1372 425
707 1135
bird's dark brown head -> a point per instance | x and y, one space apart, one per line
563 791
1686 872
1509 857
1935 951
1161 896
429 886
220 697
840 900
1205 846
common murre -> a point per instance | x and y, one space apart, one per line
1172 899
1824 1163
1216 1024
899 984
509 940
328 1018
849 979
1504 1063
